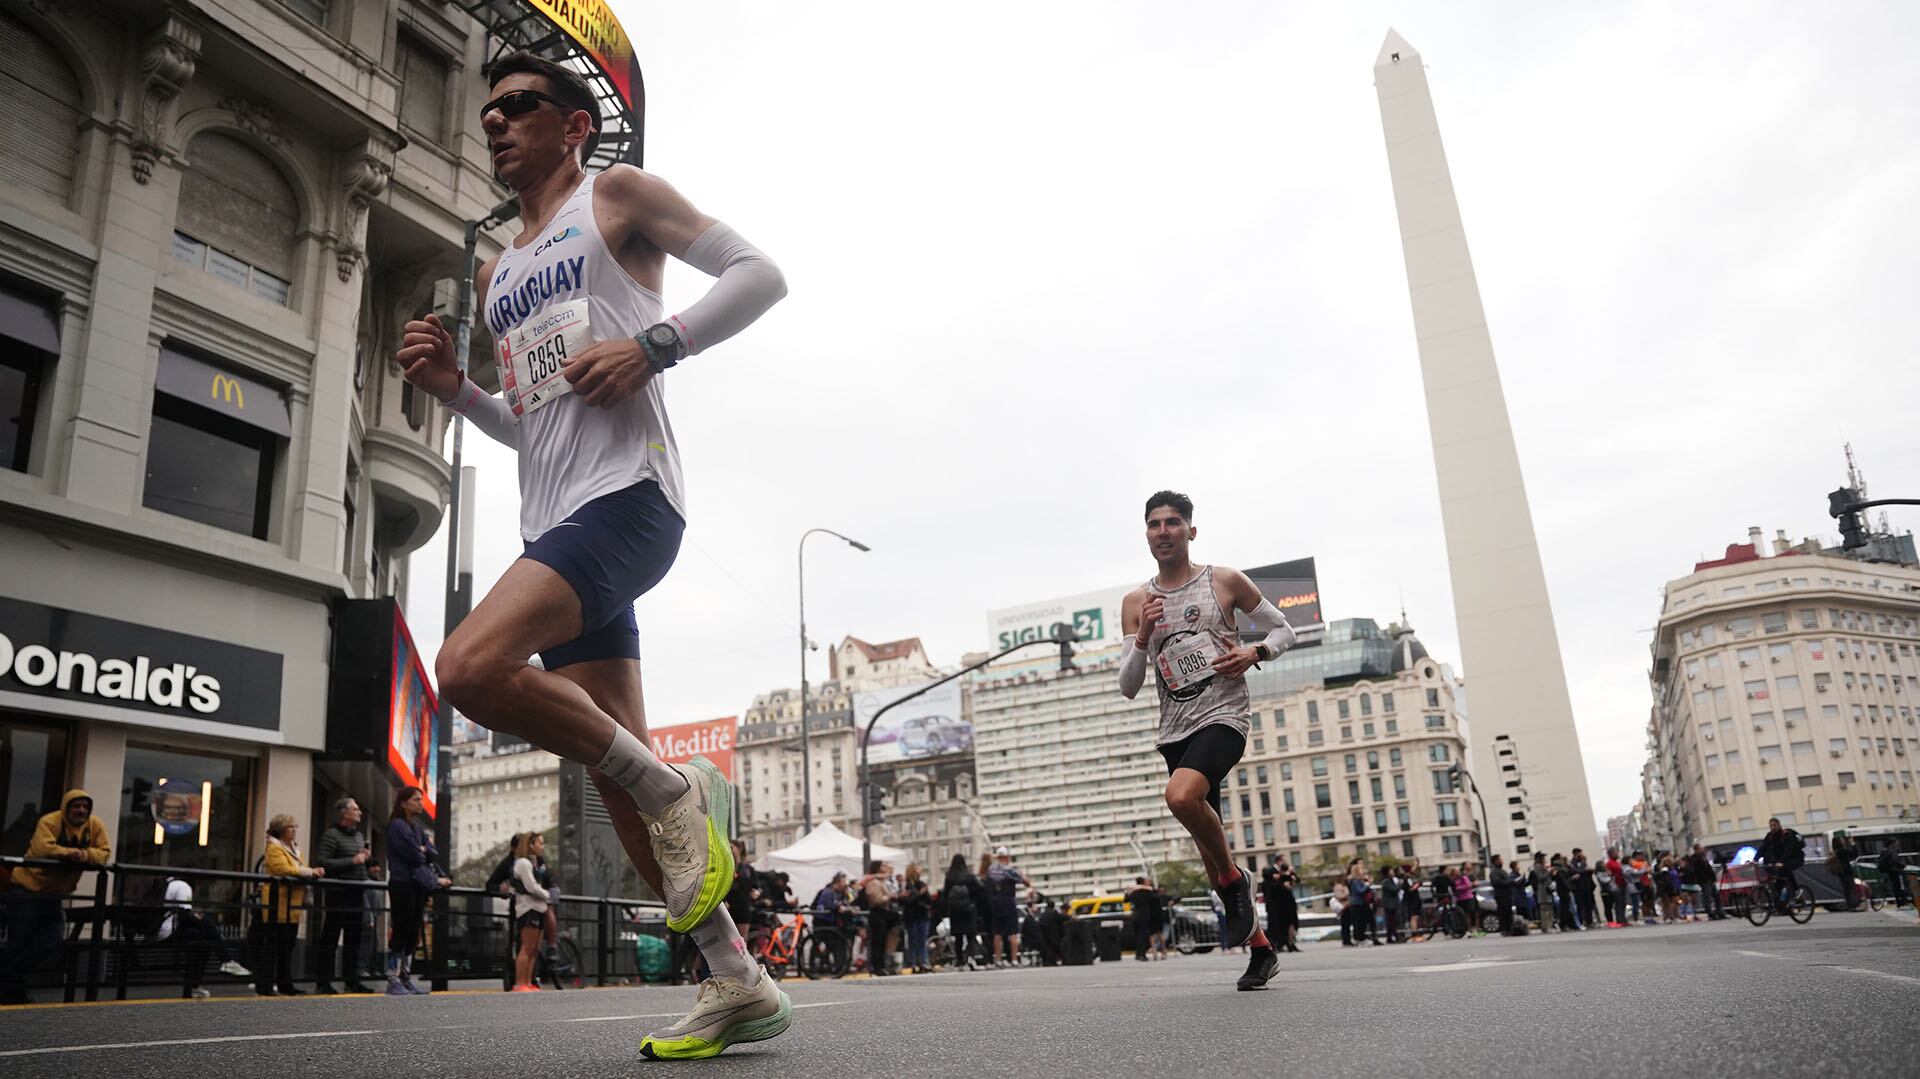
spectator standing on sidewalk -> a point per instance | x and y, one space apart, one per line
282 910
1638 889
1894 872
1342 904
1615 881
343 853
1563 891
1004 881
36 922
1283 908
1583 881
1143 903
1464 897
1415 897
1502 882
530 902
1707 876
183 926
411 877
916 912
1540 880
1841 862
1393 891
962 915
878 899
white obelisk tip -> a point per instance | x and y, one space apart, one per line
1395 50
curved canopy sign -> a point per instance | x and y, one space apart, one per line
586 36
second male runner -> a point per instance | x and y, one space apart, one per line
1181 623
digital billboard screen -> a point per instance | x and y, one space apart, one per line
928 726
1294 587
413 751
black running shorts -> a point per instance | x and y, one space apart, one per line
1212 751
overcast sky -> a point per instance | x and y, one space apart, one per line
1048 258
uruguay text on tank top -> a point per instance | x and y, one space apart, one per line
1193 629
571 452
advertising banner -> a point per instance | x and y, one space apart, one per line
412 748
592 26
1094 617
1294 587
925 727
712 739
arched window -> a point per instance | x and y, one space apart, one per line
40 127
237 218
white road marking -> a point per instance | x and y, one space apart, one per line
188 1041
1471 964
1878 974
1756 955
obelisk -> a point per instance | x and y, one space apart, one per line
1525 753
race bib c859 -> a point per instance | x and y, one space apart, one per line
534 353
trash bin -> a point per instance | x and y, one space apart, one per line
1078 944
1110 937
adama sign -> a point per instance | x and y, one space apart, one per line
102 668
712 740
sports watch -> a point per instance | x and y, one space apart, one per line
662 345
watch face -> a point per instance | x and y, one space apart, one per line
662 336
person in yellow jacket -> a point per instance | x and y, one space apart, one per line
274 973
36 924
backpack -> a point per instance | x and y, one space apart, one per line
143 905
502 874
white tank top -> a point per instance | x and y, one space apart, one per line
571 452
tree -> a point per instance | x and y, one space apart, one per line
1181 879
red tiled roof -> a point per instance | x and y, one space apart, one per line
876 653
1736 554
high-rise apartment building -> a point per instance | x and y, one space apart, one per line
1785 685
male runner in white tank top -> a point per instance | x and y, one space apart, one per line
1181 623
583 344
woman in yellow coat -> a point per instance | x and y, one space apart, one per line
274 974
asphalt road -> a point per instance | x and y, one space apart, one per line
1698 1000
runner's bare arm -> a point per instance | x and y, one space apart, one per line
1133 657
748 281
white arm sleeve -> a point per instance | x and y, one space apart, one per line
489 413
1280 635
1133 668
749 283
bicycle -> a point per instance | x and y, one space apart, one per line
1448 919
778 946
1798 906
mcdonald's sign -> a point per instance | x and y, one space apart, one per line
226 389
242 397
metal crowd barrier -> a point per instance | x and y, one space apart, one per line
103 949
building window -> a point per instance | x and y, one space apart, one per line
1399 786
1380 822
1437 752
1352 763
1316 737
1286 769
314 11
29 343
1452 844
1450 814
1373 760
1366 704
1353 791
423 86
1374 788
1286 799
1393 757
1322 796
1344 708
1313 711
43 121
33 773
1359 822
208 468
238 217
1443 782
1319 766
1386 702
1293 831
186 809
1433 698
1326 826
1406 819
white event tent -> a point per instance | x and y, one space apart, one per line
814 858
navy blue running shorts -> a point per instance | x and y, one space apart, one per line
612 551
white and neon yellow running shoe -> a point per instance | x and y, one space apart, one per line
690 844
727 1013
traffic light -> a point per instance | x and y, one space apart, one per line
1453 775
1842 506
876 804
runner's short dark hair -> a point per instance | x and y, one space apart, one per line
1173 500
563 83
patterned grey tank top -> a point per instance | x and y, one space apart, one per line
1194 609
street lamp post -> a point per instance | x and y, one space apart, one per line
1063 635
1480 831
806 754
459 560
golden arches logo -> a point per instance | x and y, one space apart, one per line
229 390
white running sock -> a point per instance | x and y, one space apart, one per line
724 950
633 766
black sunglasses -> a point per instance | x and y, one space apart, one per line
521 102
